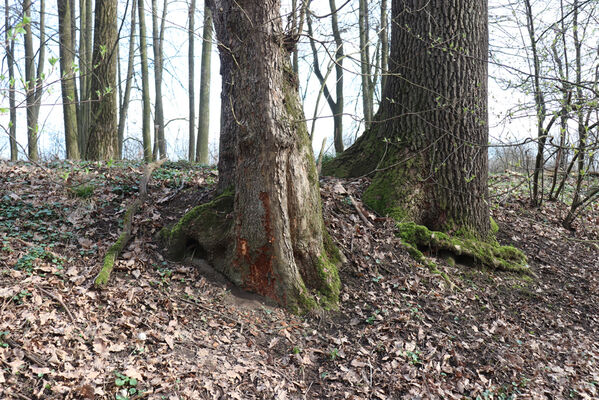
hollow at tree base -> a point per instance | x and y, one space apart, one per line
207 229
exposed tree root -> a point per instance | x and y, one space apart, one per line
118 246
488 253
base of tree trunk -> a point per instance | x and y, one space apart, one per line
400 189
207 231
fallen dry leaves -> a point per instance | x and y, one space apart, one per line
165 330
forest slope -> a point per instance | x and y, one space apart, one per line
179 330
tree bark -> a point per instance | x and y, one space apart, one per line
127 92
85 38
145 84
103 136
202 151
67 81
427 145
190 81
384 39
366 70
277 239
34 81
158 40
10 59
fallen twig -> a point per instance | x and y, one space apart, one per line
59 300
118 246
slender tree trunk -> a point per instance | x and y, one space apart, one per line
191 83
384 39
10 59
367 101
145 79
203 154
427 146
103 136
336 105
86 69
129 80
276 230
34 81
67 82
158 40
339 56
582 126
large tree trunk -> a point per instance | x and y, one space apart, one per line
10 59
202 153
67 82
427 147
103 136
276 240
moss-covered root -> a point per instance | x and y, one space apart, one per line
490 254
432 267
118 246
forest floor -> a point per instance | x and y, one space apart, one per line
165 330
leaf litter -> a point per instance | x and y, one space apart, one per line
164 330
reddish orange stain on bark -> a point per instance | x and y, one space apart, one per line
260 278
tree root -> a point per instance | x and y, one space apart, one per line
488 253
117 247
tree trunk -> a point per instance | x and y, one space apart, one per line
158 40
67 82
339 56
202 151
127 92
103 136
10 59
336 105
277 240
34 80
427 146
367 94
145 85
85 33
384 39
191 83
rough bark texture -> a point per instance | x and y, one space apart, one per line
276 243
202 154
427 146
67 82
228 121
103 136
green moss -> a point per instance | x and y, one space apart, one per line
488 253
211 222
82 191
494 226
